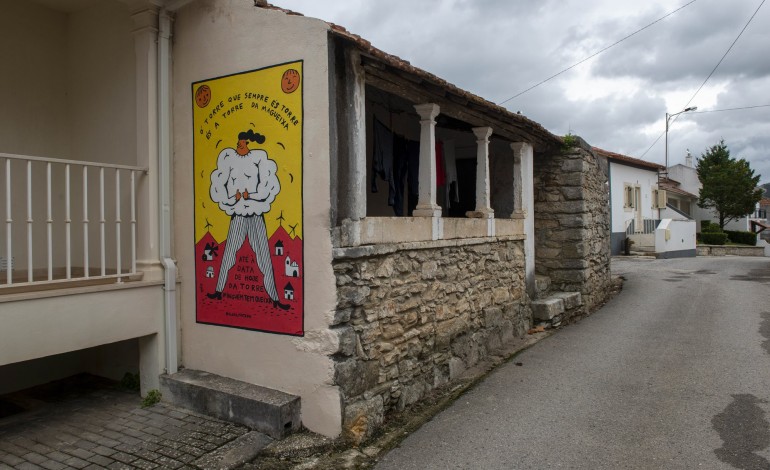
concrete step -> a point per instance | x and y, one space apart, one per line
547 309
571 299
556 307
268 411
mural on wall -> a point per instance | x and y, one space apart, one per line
248 200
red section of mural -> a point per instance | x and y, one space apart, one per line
244 302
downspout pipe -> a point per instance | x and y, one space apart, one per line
165 182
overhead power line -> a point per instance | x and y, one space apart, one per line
724 55
709 75
731 109
596 53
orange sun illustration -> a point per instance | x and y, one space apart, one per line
290 81
203 96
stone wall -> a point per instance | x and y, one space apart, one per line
416 315
572 222
724 250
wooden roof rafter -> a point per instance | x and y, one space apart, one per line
396 76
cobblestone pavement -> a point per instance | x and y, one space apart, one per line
95 425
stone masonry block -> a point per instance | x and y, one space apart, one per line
571 299
272 412
546 309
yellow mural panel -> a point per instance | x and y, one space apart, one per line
248 194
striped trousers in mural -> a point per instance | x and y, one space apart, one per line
254 227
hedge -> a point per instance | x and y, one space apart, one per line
744 238
710 228
710 238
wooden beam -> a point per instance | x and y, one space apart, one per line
404 85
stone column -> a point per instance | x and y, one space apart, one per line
426 202
524 205
351 195
145 22
483 207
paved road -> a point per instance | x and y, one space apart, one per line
672 373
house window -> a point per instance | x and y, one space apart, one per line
629 199
659 199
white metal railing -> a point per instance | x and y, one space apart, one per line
56 263
648 227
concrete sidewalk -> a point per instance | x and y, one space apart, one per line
85 422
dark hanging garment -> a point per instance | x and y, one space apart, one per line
413 173
382 157
440 173
400 170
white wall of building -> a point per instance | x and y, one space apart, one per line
675 236
33 54
645 179
41 324
229 36
70 81
101 77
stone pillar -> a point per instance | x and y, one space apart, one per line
426 202
524 205
145 32
150 363
351 198
483 208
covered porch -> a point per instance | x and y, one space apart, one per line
80 250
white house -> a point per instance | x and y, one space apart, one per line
638 203
634 197
686 175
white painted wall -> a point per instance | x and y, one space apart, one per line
213 39
70 81
101 77
675 235
687 176
619 176
33 54
46 323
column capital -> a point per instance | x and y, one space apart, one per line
427 111
520 146
482 133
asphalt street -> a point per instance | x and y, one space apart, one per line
674 372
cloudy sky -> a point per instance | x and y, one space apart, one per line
618 99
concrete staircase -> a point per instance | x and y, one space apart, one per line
274 413
550 309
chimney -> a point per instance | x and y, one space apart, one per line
688 159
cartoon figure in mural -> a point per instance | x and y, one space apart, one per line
245 184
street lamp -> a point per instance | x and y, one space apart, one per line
668 119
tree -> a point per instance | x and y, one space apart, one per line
729 185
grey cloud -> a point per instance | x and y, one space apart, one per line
497 48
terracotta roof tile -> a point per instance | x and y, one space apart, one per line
405 66
626 159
